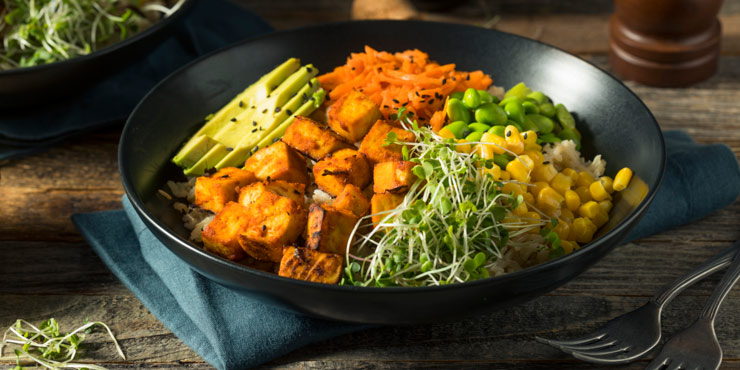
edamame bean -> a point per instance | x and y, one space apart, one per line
519 90
491 114
485 97
547 110
530 108
564 117
515 124
528 124
514 111
457 111
498 130
544 125
474 136
508 100
471 99
479 127
457 95
538 96
459 129
501 160
568 134
548 138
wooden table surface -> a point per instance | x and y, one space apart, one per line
47 270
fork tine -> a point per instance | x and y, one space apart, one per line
675 365
608 359
590 347
581 340
611 352
657 363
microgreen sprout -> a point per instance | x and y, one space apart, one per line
47 346
45 31
452 225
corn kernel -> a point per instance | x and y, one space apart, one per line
495 171
573 174
549 200
544 173
486 151
607 182
598 193
499 144
562 229
584 179
622 179
533 147
511 187
568 246
505 175
561 183
589 209
529 137
518 170
567 215
538 186
572 200
600 218
606 206
528 197
447 134
521 210
513 140
583 193
532 218
536 157
583 230
464 148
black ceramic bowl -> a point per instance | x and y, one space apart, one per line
613 120
22 88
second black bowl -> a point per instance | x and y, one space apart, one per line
614 122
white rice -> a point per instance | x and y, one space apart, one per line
194 218
564 154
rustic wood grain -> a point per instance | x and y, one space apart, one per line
46 269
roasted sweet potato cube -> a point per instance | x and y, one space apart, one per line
328 229
352 115
277 215
214 191
393 177
353 200
221 236
346 166
313 139
310 265
384 202
278 161
372 144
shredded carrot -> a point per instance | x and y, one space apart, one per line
407 79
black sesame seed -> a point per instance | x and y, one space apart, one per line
405 104
395 101
546 162
353 68
309 70
417 93
508 133
277 110
254 107
256 148
328 98
288 111
411 114
233 120
454 79
254 130
268 95
310 84
229 149
275 139
467 78
431 101
525 136
385 106
241 104
380 69
254 123
444 81
422 101
263 226
264 111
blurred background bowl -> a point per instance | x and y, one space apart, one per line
612 119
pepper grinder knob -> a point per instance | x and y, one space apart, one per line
667 43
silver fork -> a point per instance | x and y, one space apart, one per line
632 335
697 347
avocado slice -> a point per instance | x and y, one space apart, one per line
238 121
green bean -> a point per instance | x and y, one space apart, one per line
471 99
457 95
538 96
564 117
544 124
501 160
485 97
457 111
498 130
474 136
519 90
479 127
568 134
458 128
515 111
490 113
530 107
547 110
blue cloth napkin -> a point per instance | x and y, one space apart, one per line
209 25
233 332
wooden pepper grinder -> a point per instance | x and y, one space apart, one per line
667 43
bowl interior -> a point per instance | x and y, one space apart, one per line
613 121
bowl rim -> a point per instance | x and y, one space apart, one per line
152 221
110 49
